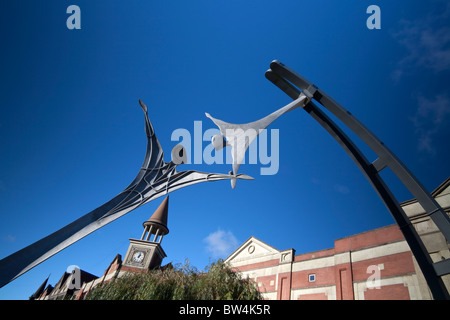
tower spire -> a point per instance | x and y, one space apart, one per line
147 253
157 223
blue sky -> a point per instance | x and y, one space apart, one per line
72 132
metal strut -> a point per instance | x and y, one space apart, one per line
293 85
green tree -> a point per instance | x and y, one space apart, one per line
182 282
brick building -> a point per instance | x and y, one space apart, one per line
372 265
143 254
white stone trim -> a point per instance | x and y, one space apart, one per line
380 251
313 264
329 291
409 281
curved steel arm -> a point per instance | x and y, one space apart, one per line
294 85
386 157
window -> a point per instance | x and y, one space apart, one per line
312 277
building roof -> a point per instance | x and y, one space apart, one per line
441 190
159 217
39 290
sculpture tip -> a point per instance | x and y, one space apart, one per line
143 106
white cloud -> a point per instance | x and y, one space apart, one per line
427 44
426 40
221 243
428 120
10 238
341 189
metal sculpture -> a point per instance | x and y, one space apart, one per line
297 87
240 136
155 179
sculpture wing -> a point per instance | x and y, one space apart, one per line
23 260
155 179
240 136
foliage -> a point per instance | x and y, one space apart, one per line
183 282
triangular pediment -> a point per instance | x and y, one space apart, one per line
115 264
443 189
253 249
441 195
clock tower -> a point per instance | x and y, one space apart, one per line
146 253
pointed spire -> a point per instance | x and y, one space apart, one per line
159 217
39 290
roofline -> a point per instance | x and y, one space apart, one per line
441 187
245 242
367 231
433 193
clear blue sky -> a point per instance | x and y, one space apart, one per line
72 132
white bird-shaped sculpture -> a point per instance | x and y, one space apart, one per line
240 136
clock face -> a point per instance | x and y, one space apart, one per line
138 256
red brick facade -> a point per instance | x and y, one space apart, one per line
379 258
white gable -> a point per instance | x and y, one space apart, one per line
441 194
443 189
253 251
